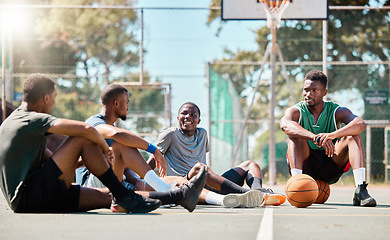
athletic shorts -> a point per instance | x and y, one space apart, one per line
234 176
43 192
231 175
320 166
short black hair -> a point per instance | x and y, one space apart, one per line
317 75
36 86
111 92
190 103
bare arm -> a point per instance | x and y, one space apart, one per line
354 125
74 128
151 162
127 138
289 125
122 136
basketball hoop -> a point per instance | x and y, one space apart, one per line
274 10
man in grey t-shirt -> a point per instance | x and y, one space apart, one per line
185 149
181 151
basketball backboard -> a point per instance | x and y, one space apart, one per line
253 10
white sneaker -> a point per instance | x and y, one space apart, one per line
250 199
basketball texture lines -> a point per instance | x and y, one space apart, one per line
301 190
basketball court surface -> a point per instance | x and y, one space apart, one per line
336 219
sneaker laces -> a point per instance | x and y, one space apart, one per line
362 191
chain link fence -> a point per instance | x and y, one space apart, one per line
361 87
84 48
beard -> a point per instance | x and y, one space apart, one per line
123 117
310 103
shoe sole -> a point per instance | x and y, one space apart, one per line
370 203
249 199
274 199
192 199
117 209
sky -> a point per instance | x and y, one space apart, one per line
179 45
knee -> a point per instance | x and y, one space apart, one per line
79 141
247 165
117 147
293 143
197 167
349 139
194 170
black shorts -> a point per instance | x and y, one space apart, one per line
43 192
231 175
234 176
320 166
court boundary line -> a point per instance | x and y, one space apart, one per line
266 225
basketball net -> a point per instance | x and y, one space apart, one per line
274 10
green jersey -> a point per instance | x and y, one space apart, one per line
326 122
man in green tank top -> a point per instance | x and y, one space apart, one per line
317 146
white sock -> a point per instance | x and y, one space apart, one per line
214 198
359 176
155 182
296 171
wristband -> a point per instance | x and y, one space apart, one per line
151 148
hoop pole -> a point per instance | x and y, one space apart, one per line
271 152
324 46
237 147
141 48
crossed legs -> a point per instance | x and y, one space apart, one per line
128 157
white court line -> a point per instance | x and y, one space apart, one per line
266 225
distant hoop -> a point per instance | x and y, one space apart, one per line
274 10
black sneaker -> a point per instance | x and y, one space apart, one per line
362 198
135 203
192 189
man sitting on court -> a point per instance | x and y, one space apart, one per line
33 179
125 144
185 149
318 146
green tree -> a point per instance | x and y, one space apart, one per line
104 39
84 50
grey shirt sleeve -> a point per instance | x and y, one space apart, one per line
164 140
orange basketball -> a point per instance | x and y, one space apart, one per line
301 190
323 191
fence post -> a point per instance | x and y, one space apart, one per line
368 152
